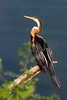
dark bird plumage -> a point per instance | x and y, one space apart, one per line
42 52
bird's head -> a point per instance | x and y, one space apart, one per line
36 29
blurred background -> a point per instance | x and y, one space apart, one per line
15 30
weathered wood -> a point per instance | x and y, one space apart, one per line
29 74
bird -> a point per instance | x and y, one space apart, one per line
42 51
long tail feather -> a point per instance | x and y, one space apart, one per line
55 80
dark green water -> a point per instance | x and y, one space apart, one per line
15 29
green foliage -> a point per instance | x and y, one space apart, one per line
11 74
26 91
25 54
39 97
1 67
1 71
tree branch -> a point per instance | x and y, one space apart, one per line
29 74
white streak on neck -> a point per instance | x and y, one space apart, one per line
37 21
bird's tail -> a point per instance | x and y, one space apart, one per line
55 80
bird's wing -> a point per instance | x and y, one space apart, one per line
42 61
48 51
39 54
43 58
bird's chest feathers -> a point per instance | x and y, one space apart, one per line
38 42
36 48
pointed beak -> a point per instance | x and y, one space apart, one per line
32 18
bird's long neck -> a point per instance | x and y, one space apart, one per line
36 29
39 25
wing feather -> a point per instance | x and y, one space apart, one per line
39 56
46 48
49 52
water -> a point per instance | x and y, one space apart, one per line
15 29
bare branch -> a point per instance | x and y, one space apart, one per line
28 75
